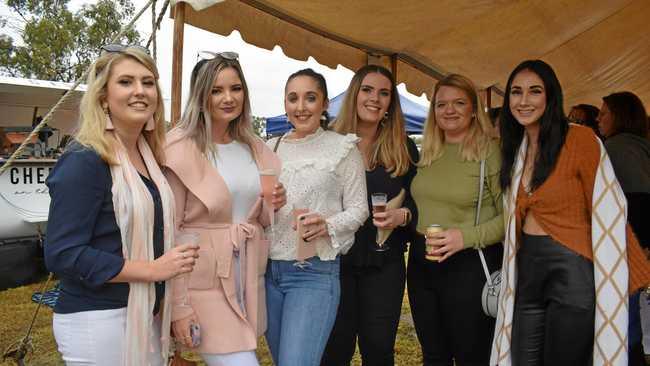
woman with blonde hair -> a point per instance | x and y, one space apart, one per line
214 165
445 279
110 225
372 276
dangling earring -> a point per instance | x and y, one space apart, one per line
109 123
383 120
323 117
151 124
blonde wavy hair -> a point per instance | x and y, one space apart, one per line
475 144
389 150
196 122
92 118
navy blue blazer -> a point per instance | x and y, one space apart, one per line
83 246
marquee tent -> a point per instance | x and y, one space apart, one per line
414 116
22 100
595 46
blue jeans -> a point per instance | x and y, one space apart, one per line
635 333
301 302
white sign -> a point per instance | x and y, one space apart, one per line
24 198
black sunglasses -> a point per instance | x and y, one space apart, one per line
577 120
209 55
116 47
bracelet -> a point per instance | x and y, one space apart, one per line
407 216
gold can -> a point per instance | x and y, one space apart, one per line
431 231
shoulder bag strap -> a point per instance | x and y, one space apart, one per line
486 270
277 143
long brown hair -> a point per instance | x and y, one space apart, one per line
389 150
92 118
628 114
475 143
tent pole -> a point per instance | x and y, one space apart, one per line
177 61
485 96
373 59
488 97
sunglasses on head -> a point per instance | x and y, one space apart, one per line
209 55
576 120
116 47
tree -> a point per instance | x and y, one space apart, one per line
259 126
58 44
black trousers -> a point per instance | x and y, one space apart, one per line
638 207
554 305
446 306
370 307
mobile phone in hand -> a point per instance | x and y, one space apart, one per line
195 334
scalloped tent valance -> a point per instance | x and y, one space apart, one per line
596 47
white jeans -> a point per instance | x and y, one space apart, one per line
96 338
244 358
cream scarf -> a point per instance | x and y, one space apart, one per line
134 213
608 219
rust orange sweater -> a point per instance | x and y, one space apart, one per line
562 204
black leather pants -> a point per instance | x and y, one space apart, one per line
554 305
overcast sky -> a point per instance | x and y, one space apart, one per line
265 71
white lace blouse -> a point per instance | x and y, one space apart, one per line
323 172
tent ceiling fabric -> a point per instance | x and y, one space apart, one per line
596 46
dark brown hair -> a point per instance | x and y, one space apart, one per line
321 84
628 114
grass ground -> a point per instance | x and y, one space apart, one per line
16 310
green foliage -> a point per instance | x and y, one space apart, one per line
418 139
58 44
259 126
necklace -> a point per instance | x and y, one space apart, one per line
529 167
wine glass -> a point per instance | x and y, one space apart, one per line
181 238
379 201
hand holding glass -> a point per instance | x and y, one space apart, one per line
268 179
379 201
303 249
184 237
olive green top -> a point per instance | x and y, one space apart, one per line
446 193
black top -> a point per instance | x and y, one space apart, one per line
363 253
83 246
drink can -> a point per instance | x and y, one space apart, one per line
431 231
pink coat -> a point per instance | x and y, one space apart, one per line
203 205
